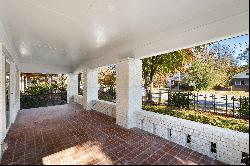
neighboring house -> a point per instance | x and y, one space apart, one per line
240 82
174 81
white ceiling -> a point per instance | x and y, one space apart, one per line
63 34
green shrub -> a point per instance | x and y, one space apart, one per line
40 95
202 117
180 100
244 108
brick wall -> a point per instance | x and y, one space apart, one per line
229 144
104 107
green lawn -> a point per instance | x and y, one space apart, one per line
203 117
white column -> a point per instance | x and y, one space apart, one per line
72 87
90 87
128 92
2 99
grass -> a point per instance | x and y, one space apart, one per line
203 117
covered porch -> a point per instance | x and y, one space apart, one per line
62 36
68 134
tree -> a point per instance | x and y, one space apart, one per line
107 76
166 63
107 82
244 56
214 68
201 74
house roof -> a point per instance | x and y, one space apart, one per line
242 75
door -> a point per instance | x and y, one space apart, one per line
7 90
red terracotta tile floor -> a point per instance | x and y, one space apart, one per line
67 134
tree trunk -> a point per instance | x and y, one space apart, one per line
151 88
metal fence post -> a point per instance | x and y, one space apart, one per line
233 105
214 105
205 97
240 105
226 104
197 99
194 101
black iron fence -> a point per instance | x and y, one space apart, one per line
227 105
107 94
42 100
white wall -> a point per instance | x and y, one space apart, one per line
105 107
72 87
230 144
2 99
15 97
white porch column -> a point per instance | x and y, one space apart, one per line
72 87
128 92
90 87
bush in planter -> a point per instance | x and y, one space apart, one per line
180 100
202 117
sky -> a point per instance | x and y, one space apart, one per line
239 44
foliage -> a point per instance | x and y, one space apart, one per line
180 100
203 117
244 56
107 76
165 64
44 88
42 100
43 94
107 94
244 109
200 73
215 67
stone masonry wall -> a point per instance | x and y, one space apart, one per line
229 144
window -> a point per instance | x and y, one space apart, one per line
237 82
247 74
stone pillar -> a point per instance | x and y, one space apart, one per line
72 87
90 87
128 92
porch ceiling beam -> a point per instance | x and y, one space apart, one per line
43 68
